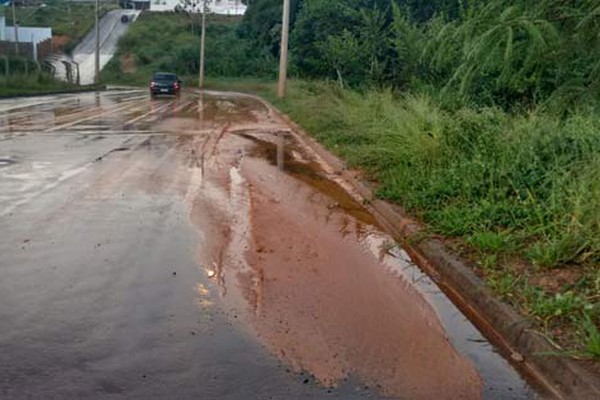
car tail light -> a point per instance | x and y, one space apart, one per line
176 85
152 84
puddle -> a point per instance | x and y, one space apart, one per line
323 305
320 300
501 381
288 156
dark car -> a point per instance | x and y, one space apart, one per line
165 83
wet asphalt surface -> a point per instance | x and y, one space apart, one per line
125 273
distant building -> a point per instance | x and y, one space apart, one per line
226 7
32 41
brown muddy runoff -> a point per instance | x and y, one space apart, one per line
293 256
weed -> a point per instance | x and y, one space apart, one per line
494 242
505 284
590 337
560 306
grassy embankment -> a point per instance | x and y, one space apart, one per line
171 42
515 193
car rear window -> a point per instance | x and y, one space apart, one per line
165 77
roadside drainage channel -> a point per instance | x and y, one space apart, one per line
531 354
501 380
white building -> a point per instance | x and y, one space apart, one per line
226 7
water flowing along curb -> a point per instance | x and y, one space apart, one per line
531 353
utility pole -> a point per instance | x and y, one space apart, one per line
285 28
97 67
14 15
202 46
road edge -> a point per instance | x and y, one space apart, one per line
528 350
100 88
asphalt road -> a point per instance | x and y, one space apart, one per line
192 248
110 29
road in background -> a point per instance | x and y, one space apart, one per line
111 29
192 248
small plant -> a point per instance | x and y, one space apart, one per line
494 242
561 306
505 284
590 337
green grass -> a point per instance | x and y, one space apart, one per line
34 83
591 338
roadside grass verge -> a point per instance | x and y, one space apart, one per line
36 83
516 194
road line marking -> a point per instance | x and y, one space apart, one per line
115 109
139 117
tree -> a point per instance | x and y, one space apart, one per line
262 23
193 9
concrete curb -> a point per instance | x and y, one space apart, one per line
528 351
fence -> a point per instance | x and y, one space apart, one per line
26 49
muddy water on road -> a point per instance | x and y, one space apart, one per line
292 261
311 266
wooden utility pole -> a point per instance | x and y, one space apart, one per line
285 28
97 66
16 26
202 45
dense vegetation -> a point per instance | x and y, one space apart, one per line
481 118
493 53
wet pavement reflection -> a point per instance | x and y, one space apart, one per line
193 247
